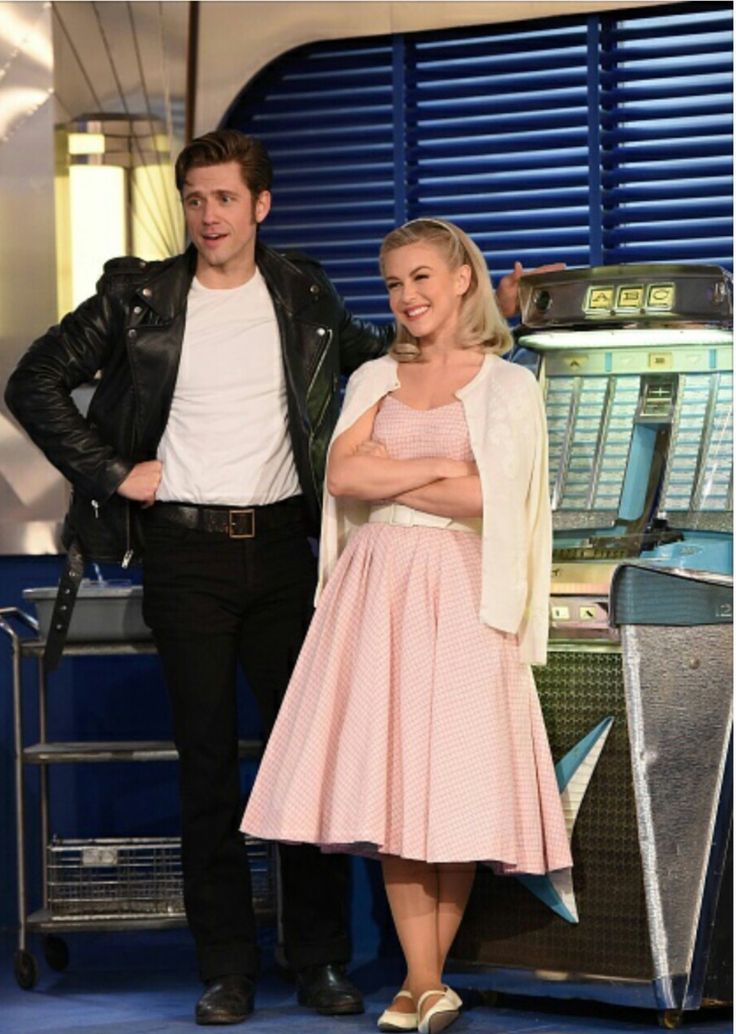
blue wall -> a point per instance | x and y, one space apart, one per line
113 698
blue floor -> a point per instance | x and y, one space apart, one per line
145 983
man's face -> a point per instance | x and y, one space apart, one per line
222 217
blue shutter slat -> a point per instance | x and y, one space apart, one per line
299 196
643 173
482 143
678 24
655 133
462 48
492 164
508 73
711 107
679 251
534 202
515 127
538 180
704 50
674 190
681 229
501 259
648 82
670 150
665 93
328 118
670 211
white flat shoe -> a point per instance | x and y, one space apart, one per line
440 1015
392 1019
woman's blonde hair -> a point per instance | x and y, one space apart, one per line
481 323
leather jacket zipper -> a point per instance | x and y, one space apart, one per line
318 367
320 415
128 555
328 398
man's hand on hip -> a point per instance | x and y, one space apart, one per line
142 482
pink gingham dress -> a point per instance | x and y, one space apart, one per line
409 728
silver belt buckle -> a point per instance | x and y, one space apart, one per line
232 533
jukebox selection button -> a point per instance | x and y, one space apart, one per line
661 296
599 299
631 297
575 362
560 613
588 613
659 360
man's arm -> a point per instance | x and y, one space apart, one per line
361 340
38 394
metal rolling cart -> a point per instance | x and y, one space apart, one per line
98 884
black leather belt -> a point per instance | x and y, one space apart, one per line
61 617
241 522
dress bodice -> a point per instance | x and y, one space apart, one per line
409 433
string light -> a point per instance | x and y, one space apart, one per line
27 36
31 33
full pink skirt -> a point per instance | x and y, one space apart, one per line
409 728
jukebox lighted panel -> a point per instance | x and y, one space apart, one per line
636 367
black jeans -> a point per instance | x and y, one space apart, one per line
213 602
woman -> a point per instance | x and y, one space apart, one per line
411 729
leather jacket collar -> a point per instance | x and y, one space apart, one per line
166 290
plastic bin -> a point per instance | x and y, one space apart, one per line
105 611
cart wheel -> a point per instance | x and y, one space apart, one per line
26 969
55 952
670 1019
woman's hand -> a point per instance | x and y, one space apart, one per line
449 468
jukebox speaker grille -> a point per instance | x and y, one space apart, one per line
505 925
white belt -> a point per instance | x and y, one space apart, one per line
407 517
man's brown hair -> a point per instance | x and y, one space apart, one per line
228 145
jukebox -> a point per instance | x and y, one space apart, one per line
636 367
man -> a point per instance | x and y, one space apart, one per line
207 436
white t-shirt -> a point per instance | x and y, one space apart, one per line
226 441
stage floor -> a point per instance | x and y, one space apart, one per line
145 983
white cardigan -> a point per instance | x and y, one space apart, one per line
506 422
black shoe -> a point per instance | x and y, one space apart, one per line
226 1000
328 990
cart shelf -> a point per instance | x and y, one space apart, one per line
115 750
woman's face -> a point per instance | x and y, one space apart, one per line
424 293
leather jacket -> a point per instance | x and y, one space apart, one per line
130 334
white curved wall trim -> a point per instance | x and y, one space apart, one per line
237 39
